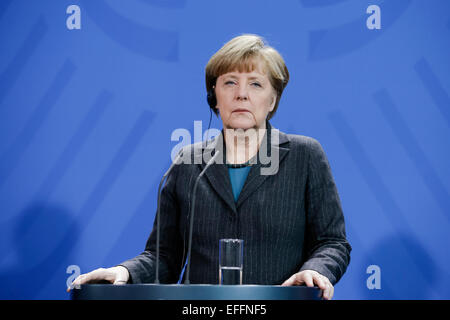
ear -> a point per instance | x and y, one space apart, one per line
211 98
274 100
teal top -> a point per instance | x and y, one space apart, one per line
238 175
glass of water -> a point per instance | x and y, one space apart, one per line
230 261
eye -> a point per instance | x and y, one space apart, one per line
229 82
256 84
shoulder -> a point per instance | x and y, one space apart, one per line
298 140
304 143
309 149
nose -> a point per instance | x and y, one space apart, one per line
242 93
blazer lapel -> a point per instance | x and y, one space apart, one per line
255 178
217 173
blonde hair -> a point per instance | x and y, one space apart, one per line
243 54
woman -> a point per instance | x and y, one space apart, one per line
290 216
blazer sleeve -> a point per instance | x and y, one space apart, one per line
142 268
326 247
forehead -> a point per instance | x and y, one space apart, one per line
238 74
248 65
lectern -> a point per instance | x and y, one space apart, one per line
193 292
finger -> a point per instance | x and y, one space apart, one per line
294 280
97 275
326 293
290 281
83 278
308 279
75 284
86 278
318 280
120 279
327 290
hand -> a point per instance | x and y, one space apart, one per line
311 277
114 275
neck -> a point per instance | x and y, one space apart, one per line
242 145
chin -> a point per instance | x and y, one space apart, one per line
242 124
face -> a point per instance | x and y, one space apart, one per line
244 99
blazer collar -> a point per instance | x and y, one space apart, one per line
266 165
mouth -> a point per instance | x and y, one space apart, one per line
240 110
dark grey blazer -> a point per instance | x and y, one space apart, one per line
289 221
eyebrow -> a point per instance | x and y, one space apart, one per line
251 78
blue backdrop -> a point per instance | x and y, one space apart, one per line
82 112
